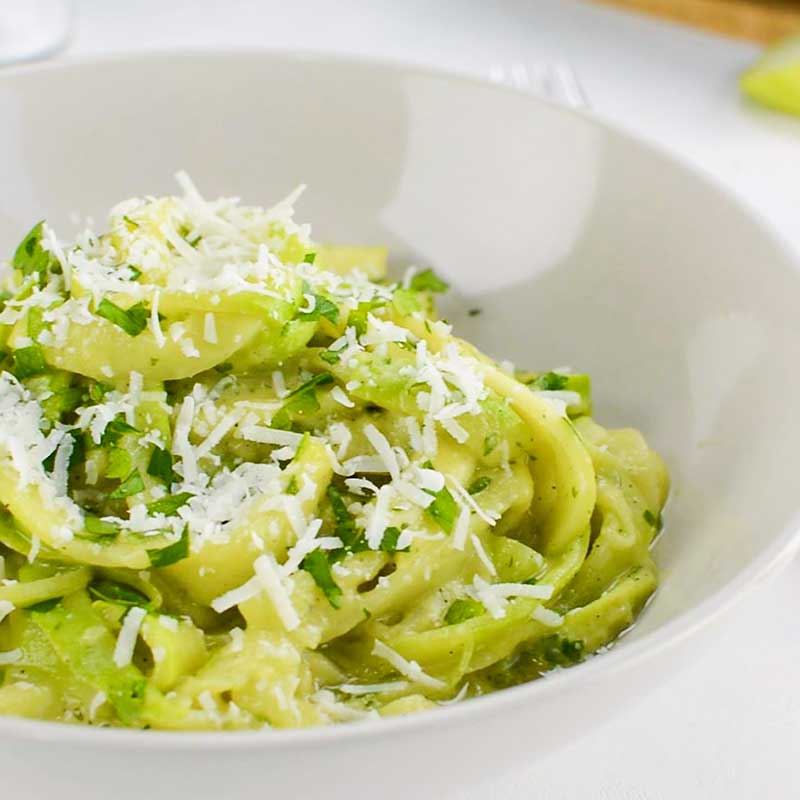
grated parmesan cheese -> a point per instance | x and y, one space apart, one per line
128 634
410 669
210 328
269 575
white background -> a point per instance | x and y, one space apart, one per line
728 725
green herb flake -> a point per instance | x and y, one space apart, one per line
358 318
443 510
428 281
389 541
474 312
133 484
135 272
119 594
172 553
462 610
345 524
654 520
490 442
323 307
160 466
44 606
120 464
224 368
30 256
301 401
29 361
549 382
78 455
556 651
330 356
309 258
133 320
114 432
169 504
98 391
478 485
318 565
130 222
292 487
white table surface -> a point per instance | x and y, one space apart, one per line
727 726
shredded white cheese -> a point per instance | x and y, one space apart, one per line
210 328
410 669
128 634
269 574
547 617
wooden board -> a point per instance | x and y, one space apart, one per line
758 20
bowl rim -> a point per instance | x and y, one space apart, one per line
785 545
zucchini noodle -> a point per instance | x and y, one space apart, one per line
246 481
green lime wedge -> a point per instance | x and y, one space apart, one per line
775 80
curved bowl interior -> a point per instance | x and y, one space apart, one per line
580 247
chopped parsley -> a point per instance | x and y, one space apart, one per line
119 594
172 553
462 610
549 382
478 485
133 320
169 504
490 442
309 258
133 484
45 605
30 256
114 432
358 318
389 541
323 307
443 510
556 651
29 361
318 565
160 466
303 400
428 281
344 522
78 455
654 520
98 391
330 356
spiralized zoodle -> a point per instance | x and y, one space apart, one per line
245 481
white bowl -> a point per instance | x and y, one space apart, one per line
581 245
